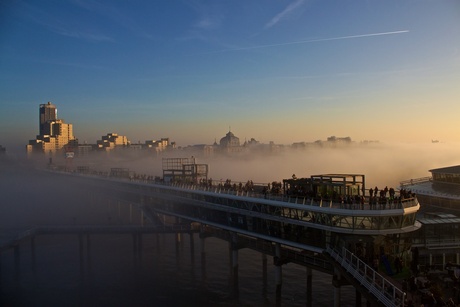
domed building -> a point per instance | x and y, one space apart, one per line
230 143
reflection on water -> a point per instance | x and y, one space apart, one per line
111 274
163 274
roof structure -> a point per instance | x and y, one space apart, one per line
447 170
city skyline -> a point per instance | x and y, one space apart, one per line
281 71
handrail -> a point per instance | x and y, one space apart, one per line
414 181
385 291
320 202
387 205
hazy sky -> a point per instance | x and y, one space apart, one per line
282 71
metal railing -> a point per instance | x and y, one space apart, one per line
304 200
385 291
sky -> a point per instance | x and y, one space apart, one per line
284 71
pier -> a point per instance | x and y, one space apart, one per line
319 234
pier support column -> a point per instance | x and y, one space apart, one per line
177 239
135 245
336 296
192 248
358 298
139 246
309 287
264 269
32 253
458 258
278 271
203 256
17 257
80 251
234 251
130 213
336 283
430 259
88 251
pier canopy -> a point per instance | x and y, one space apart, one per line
449 174
329 186
184 170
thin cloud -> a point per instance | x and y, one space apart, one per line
284 14
78 34
312 41
55 25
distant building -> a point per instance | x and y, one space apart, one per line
230 143
48 113
84 149
54 134
111 141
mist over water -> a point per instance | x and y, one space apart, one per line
166 275
383 164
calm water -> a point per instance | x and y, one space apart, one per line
163 275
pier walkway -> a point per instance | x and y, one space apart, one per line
302 230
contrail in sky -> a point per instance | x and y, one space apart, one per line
314 41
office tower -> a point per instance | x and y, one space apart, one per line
48 112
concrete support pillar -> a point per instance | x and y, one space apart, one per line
458 258
234 264
431 260
278 271
203 257
142 218
337 295
139 246
88 251
358 298
264 275
234 251
264 269
134 244
309 287
80 251
443 260
177 239
32 253
130 213
17 257
192 247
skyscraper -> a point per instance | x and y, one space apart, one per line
54 135
48 112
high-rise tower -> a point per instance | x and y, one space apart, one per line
55 135
48 112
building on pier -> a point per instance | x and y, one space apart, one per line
184 170
440 192
438 240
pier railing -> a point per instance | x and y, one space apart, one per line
305 200
409 182
368 204
385 291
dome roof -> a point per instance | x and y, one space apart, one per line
229 140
